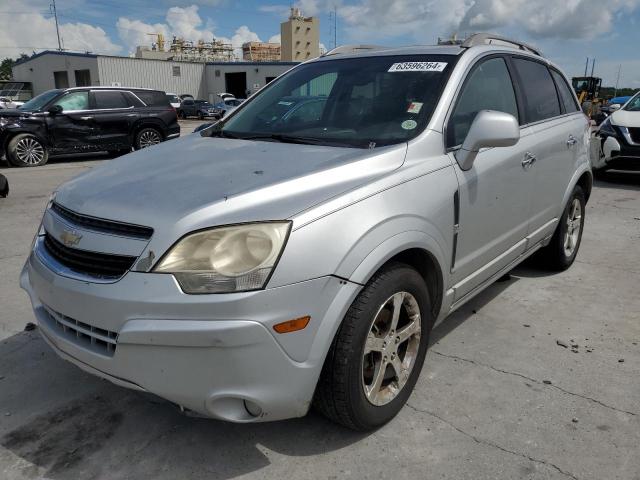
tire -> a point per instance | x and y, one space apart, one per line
147 137
565 243
25 150
183 115
4 186
200 116
346 392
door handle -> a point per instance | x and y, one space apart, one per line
571 141
529 160
86 118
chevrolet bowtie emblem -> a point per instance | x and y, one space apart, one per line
70 238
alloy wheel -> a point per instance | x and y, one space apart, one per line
30 151
574 222
391 348
149 138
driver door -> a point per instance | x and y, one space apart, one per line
495 194
72 130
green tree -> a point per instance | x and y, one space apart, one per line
7 64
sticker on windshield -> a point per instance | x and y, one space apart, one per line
409 124
417 67
414 107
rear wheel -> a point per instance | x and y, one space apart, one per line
25 150
147 137
564 245
378 352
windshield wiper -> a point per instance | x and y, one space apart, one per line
278 137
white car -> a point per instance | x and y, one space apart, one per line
617 142
6 102
174 100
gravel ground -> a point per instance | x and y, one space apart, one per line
537 378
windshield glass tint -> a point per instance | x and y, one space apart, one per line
634 104
40 101
356 101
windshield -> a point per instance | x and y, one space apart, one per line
173 99
634 104
359 102
40 101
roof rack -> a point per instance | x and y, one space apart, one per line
489 38
350 49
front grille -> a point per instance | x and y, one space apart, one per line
93 338
635 134
86 262
101 225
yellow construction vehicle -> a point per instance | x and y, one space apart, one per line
588 92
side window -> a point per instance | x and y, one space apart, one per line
488 87
566 95
540 96
109 100
74 101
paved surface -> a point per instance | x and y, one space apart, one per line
497 399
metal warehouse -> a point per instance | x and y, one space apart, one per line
53 69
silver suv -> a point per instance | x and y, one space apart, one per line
274 261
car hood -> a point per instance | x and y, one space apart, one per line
14 112
625 118
197 182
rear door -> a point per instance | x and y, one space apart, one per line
73 130
559 127
495 194
113 116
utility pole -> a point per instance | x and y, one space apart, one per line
335 26
55 15
615 91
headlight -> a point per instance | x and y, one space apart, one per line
607 129
226 259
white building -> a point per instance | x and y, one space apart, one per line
53 69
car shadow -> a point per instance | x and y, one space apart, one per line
68 424
624 180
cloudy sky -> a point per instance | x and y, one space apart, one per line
568 31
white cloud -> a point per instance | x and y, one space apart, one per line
275 39
30 30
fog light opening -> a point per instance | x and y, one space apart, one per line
253 409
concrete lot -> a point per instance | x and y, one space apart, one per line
497 399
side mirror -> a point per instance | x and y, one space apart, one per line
614 107
54 110
489 129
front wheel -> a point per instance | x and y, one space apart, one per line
564 245
147 137
25 150
378 352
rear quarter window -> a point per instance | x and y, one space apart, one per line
539 90
566 94
152 98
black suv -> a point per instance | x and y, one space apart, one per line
86 119
197 108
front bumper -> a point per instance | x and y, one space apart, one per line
618 154
216 355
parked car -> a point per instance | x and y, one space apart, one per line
4 186
6 102
617 141
174 100
86 119
197 108
228 104
264 267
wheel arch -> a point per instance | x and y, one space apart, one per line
414 248
148 123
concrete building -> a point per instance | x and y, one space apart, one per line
53 69
299 37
